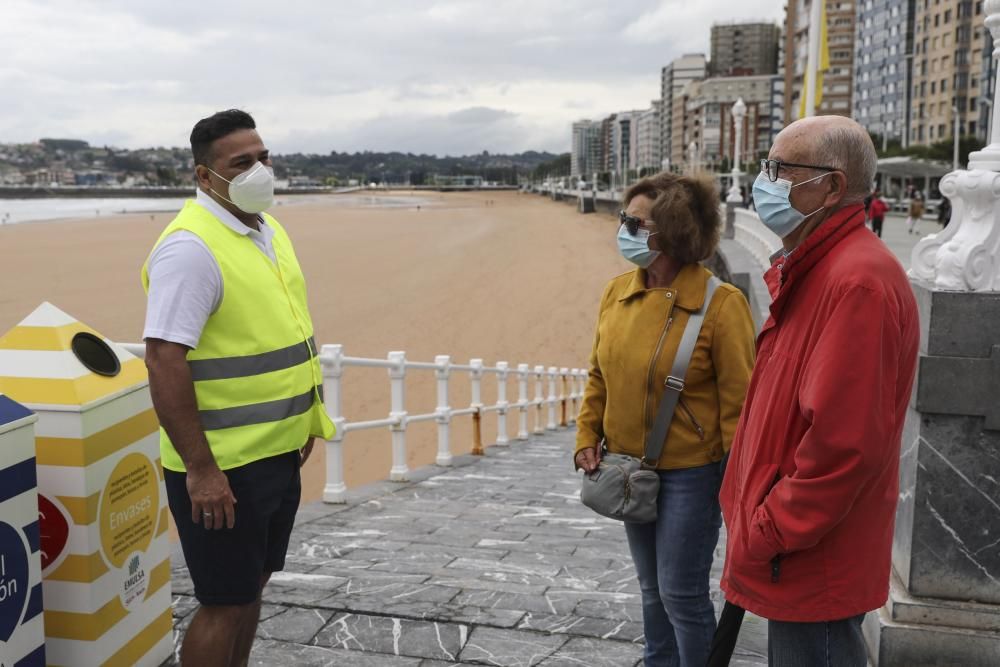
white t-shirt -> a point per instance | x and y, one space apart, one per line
185 282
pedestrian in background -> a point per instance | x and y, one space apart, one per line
876 212
944 212
916 212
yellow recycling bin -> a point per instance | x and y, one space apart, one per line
102 503
22 633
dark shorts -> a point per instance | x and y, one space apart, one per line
227 565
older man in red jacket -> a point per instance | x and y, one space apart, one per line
810 493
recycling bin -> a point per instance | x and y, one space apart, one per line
103 515
22 632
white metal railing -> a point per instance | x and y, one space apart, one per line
753 235
333 360
565 390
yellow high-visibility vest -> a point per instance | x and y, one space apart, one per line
256 376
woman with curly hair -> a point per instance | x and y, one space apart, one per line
669 224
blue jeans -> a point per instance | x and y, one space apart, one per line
824 644
673 557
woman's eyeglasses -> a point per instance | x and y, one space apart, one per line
634 224
772 167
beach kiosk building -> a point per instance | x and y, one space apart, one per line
103 517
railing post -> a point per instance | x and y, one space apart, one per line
400 471
522 401
330 358
563 398
502 403
477 403
574 373
551 425
539 400
443 410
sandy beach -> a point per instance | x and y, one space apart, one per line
518 281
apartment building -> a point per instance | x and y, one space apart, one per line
838 80
948 51
647 138
744 49
585 150
883 67
708 121
673 78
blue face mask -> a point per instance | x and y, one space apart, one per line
773 206
636 248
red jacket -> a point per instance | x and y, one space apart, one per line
810 491
878 208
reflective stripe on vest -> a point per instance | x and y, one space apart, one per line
254 364
257 413
256 376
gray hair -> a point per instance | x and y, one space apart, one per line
850 150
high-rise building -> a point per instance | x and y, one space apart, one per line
647 138
838 79
607 143
778 94
710 125
744 49
623 141
585 152
948 45
883 67
685 129
673 78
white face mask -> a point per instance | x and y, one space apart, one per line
253 190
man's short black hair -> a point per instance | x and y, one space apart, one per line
216 126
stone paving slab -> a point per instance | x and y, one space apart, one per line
491 561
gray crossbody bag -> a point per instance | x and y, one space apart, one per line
624 487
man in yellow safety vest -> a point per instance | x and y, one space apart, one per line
235 382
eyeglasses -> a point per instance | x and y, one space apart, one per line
634 224
771 167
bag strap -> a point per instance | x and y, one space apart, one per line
675 381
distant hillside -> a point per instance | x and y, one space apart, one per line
70 161
408 167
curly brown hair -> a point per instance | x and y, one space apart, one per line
686 213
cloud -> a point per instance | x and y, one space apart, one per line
461 132
445 76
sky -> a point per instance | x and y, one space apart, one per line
449 77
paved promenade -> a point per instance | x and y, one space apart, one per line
900 242
493 561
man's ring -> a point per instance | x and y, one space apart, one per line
207 513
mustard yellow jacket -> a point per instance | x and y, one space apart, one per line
638 331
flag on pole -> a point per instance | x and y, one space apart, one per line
822 66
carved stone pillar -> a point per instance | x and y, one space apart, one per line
944 601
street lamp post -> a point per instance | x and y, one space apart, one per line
989 112
954 156
739 112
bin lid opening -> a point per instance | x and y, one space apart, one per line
95 354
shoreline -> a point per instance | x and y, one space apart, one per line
106 208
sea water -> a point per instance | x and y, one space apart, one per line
15 211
